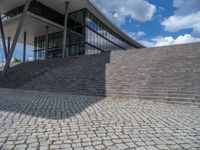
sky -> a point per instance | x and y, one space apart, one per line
151 22
156 22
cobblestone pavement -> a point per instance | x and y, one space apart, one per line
36 120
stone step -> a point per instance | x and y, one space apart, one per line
165 73
136 96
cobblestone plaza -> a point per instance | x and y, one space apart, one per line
90 85
39 120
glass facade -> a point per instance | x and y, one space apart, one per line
86 35
76 33
101 36
54 46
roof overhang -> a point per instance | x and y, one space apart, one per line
74 5
33 25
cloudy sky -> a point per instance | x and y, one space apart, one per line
156 22
151 22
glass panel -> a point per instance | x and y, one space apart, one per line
86 35
97 26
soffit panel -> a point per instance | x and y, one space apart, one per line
32 26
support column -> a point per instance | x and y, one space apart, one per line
8 45
35 48
19 28
8 48
24 48
3 38
46 41
65 52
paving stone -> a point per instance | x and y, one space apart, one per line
121 146
151 148
140 148
89 148
186 146
162 147
174 147
131 145
100 147
32 120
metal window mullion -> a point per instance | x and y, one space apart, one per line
104 37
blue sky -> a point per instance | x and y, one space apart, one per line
156 22
151 22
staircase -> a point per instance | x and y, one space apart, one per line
165 73
82 75
169 73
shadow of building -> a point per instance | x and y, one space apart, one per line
60 82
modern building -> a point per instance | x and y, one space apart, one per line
60 28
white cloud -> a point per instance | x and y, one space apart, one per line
187 38
176 23
196 30
30 59
136 35
140 33
169 40
147 43
187 16
185 7
118 10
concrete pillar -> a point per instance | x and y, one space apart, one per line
65 52
3 38
35 53
24 48
8 45
16 37
46 41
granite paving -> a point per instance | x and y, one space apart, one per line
47 121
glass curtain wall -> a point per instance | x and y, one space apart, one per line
54 49
100 36
76 33
86 35
39 48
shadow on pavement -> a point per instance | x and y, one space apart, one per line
83 75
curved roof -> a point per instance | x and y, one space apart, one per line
58 5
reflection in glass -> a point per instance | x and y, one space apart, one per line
86 35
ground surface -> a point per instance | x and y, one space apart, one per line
36 120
